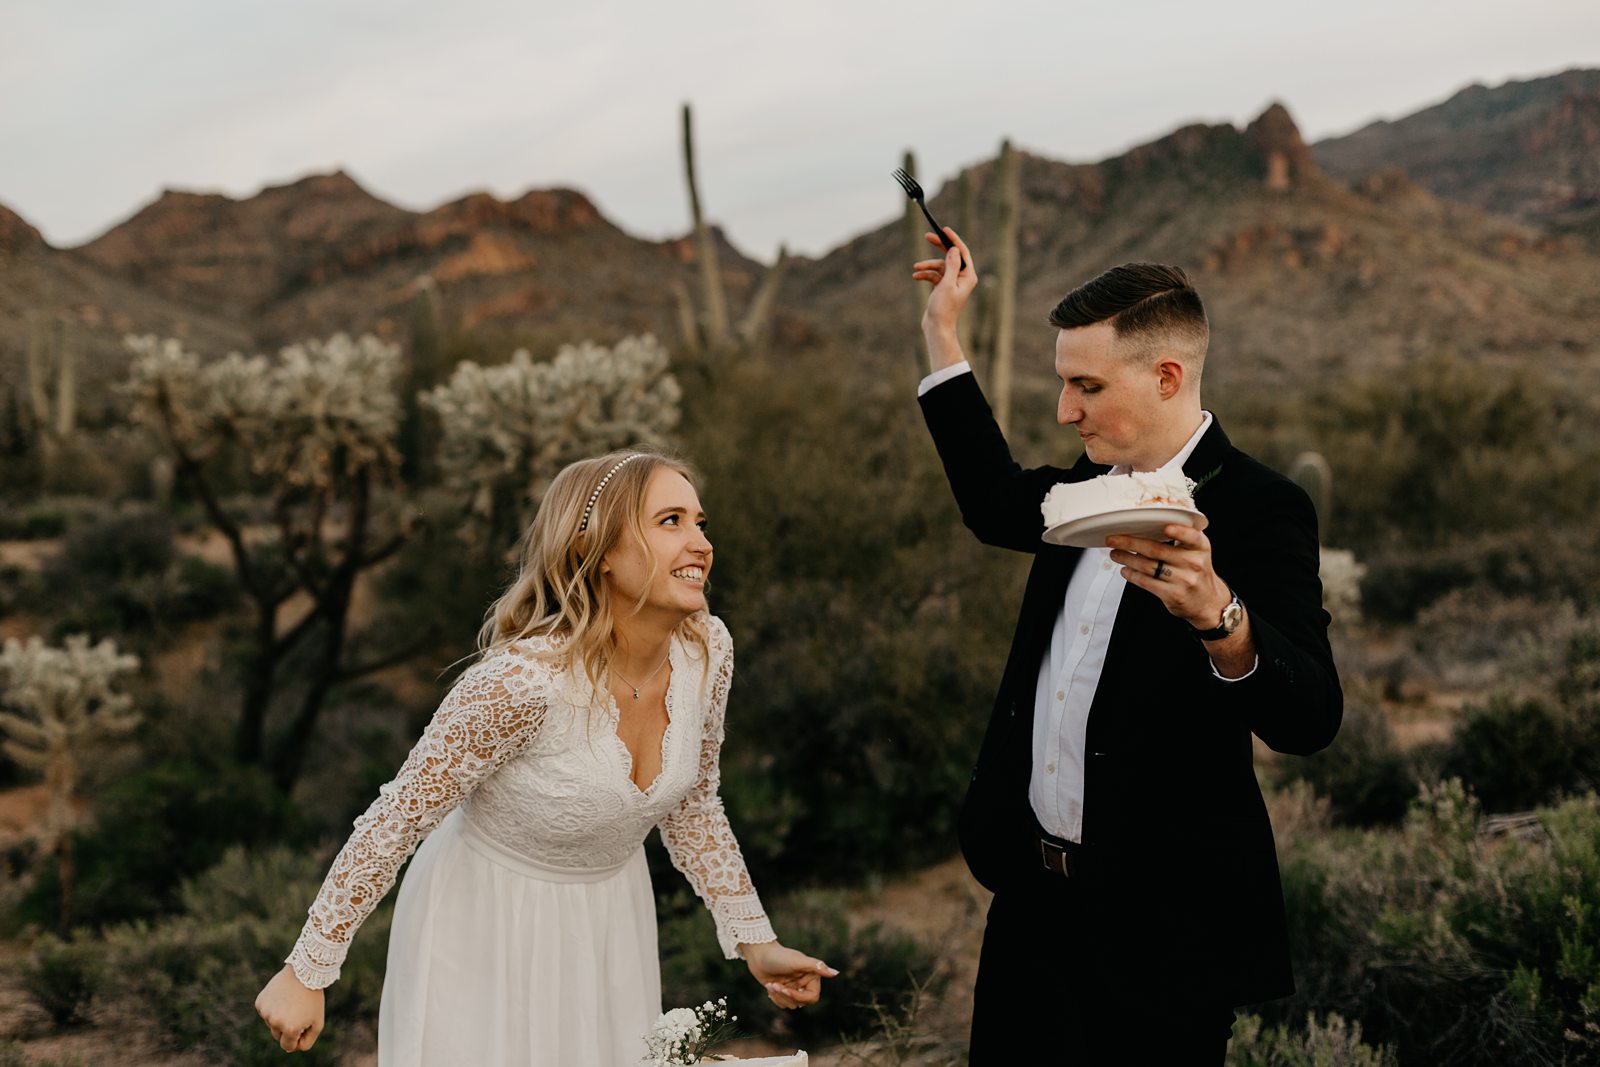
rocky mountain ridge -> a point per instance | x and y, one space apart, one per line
1528 150
1308 275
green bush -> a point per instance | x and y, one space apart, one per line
63 978
870 627
1364 775
1331 1043
1448 945
1518 753
195 976
157 828
123 574
881 967
47 517
1431 491
1514 754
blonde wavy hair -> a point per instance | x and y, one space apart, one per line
559 591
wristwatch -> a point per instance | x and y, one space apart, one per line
1232 619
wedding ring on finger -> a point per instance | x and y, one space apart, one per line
1161 568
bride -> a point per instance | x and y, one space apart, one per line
525 931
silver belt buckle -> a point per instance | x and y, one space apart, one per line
1055 859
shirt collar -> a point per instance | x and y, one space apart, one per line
1175 464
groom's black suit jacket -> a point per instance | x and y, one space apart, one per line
1180 878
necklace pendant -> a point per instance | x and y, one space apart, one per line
636 694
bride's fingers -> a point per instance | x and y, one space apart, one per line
781 996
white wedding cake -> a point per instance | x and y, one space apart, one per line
1115 492
796 1060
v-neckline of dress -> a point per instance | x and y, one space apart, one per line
675 660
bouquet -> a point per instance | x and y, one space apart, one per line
683 1036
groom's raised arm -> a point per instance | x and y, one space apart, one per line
999 500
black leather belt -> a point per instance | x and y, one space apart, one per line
1060 857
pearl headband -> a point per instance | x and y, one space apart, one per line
587 508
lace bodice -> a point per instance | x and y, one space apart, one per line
531 751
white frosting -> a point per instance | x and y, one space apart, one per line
1114 492
797 1060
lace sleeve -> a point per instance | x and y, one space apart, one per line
697 834
487 717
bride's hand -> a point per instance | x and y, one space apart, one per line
792 979
291 1011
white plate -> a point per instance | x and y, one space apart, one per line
1091 531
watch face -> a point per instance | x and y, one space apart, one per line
1232 616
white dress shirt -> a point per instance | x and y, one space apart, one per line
1069 673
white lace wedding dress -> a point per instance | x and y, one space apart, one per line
525 930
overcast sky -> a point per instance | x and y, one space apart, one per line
801 109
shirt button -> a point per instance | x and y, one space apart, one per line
1084 628
1049 768
1106 565
1061 694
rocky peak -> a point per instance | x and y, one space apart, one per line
1288 160
16 235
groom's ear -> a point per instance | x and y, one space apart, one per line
1169 377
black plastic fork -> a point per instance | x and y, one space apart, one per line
914 191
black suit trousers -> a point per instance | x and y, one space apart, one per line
1037 1001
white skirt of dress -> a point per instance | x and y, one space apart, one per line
496 960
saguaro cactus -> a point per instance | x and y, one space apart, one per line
67 704
1005 289
715 303
966 216
759 314
916 248
1310 472
709 331
51 352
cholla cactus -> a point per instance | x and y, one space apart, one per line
508 429
322 410
1341 584
318 427
66 703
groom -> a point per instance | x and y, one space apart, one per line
1114 809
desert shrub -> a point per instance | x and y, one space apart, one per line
1432 493
1363 773
1548 563
157 828
48 516
1333 1042
195 976
63 977
1514 754
882 967
123 574
1517 752
1451 946
13 1054
870 627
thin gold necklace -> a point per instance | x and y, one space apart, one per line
646 681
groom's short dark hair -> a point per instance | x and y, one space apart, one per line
1146 304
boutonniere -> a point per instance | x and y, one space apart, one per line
1199 485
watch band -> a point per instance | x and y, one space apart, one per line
1222 629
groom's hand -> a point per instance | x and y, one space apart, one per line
1188 585
953 278
792 979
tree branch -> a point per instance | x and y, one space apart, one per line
400 655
